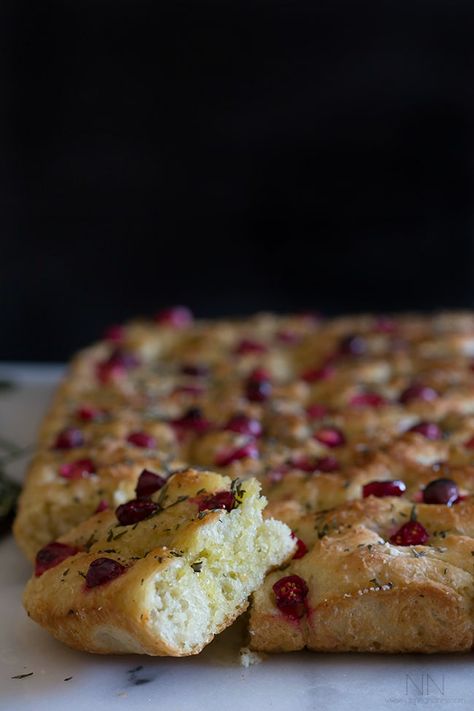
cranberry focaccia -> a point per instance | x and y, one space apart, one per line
301 403
375 575
163 573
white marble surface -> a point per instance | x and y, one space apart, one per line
214 679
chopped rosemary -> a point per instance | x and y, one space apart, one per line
178 501
90 542
119 535
238 492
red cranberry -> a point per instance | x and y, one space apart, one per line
290 596
367 400
116 365
148 482
248 346
310 464
301 548
327 465
87 413
175 316
441 491
196 370
80 469
51 555
411 533
316 411
314 374
194 390
418 392
470 443
220 500
193 420
114 333
102 506
134 511
289 337
353 345
384 324
69 439
430 430
330 436
310 315
244 425
142 439
259 387
103 570
260 374
384 488
247 451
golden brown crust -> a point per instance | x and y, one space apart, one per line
368 595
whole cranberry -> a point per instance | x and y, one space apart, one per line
88 413
418 392
142 439
175 316
290 596
134 511
258 387
353 345
430 430
411 533
103 570
441 491
221 500
244 425
313 375
114 333
69 438
80 469
51 555
317 411
248 346
148 482
301 547
330 436
395 487
194 420
116 365
367 400
246 451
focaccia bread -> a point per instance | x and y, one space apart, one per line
374 575
326 414
299 402
163 573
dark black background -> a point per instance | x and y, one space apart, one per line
232 156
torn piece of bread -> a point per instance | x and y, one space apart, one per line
174 570
361 585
